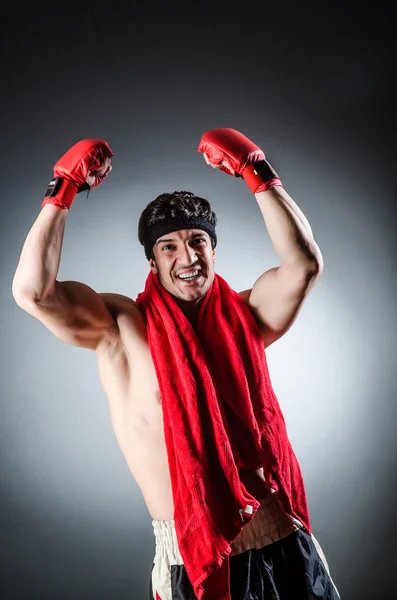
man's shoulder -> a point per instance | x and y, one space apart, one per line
128 318
118 303
245 294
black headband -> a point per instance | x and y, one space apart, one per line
155 231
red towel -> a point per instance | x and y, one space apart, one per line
220 414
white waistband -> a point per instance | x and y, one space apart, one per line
166 542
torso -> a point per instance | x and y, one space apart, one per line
129 381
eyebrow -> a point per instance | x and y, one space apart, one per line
165 240
194 235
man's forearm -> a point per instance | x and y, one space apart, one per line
40 257
289 230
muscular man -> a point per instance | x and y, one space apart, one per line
184 371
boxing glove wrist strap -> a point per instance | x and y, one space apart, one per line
260 177
60 193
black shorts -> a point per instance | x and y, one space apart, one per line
292 568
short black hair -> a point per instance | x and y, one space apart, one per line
183 207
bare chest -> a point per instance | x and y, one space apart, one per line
128 378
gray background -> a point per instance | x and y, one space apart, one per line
314 90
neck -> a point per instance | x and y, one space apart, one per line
189 309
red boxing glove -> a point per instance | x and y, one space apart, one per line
71 171
245 157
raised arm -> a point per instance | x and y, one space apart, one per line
74 312
278 294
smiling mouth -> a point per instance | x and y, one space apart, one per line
191 276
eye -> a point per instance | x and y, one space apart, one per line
167 247
199 240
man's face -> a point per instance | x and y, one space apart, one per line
184 261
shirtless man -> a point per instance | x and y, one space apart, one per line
114 327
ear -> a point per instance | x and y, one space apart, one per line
153 266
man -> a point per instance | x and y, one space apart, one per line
185 374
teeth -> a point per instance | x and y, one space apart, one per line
188 275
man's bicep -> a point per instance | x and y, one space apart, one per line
75 314
276 299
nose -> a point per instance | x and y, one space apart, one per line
187 255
